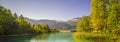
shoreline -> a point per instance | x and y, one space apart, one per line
15 35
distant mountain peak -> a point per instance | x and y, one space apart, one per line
75 19
70 24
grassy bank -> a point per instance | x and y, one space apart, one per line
94 36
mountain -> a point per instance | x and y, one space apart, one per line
70 24
73 21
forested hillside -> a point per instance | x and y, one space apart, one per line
11 23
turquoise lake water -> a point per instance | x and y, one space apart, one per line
53 37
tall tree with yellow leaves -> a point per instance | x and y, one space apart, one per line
98 15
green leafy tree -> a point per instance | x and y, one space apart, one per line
54 30
98 15
83 24
37 28
45 28
113 17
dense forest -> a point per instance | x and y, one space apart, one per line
104 17
11 23
103 23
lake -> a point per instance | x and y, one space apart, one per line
52 37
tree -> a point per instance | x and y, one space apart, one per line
1 30
15 16
24 26
37 28
54 30
45 28
98 15
14 24
119 17
113 11
83 24
7 21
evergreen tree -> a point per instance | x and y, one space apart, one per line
24 26
14 24
7 21
15 16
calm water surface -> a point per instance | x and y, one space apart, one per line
53 37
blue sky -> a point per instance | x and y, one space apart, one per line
49 9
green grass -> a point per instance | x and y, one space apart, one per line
95 36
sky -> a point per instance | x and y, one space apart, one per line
48 9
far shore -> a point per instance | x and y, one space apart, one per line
15 35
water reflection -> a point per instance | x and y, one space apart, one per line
52 37
16 39
39 38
